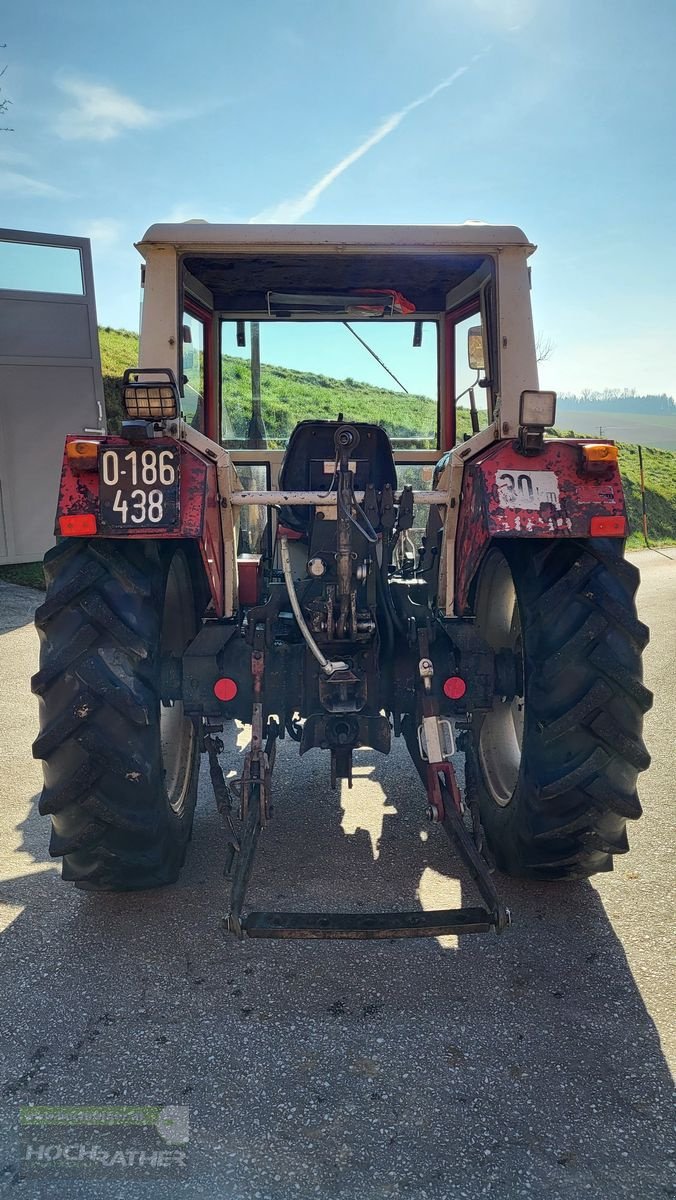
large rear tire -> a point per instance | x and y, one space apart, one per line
554 765
120 768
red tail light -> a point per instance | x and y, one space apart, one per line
225 689
608 527
454 687
81 525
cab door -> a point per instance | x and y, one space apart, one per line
50 379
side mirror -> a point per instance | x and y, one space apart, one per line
475 348
188 352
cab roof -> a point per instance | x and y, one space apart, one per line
200 235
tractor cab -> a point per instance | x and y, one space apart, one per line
424 332
272 325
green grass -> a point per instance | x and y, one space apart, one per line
26 574
293 395
290 396
119 350
659 469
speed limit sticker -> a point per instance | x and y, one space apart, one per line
527 489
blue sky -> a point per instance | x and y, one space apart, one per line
556 115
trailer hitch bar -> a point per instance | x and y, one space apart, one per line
366 926
454 826
371 925
445 805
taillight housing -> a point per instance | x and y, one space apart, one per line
598 458
77 525
608 527
82 454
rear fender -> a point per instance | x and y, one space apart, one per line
199 507
506 494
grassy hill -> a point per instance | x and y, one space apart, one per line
119 350
291 395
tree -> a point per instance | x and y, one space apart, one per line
4 100
544 347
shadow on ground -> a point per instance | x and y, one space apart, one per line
524 1064
17 605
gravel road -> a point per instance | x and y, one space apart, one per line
532 1064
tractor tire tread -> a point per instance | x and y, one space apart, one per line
99 718
585 702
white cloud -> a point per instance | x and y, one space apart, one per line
104 232
198 210
508 15
14 183
9 155
503 16
180 212
289 211
100 113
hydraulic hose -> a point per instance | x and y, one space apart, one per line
388 627
387 595
328 667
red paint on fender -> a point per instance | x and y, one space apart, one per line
509 494
199 509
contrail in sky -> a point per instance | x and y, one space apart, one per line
289 211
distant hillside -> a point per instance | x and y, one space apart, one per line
650 429
625 401
292 395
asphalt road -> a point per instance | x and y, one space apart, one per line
532 1064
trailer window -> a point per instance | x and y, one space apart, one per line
275 373
28 267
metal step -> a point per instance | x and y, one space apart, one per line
368 925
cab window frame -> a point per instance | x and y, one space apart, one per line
432 319
205 316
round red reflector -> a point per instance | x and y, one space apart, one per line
455 687
225 689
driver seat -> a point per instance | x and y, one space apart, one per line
309 461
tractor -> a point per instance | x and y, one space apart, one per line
247 545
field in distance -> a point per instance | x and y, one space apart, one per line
650 429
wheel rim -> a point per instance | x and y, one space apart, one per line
501 733
177 732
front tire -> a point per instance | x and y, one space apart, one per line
120 769
554 764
